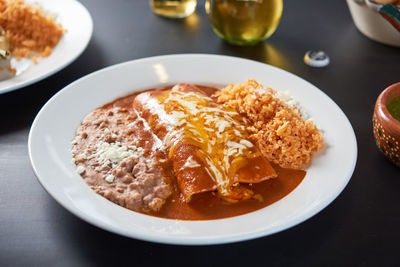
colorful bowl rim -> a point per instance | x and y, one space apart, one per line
384 112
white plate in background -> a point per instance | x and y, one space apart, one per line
78 23
55 125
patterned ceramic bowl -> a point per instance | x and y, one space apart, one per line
372 20
387 128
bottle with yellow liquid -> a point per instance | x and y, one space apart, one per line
173 8
244 22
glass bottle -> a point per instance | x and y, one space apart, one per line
244 22
173 8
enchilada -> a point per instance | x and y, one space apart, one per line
207 143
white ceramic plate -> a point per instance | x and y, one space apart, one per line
55 126
75 18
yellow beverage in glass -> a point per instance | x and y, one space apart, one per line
244 22
173 8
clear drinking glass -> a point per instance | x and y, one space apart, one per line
244 22
173 8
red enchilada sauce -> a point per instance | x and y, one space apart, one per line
208 205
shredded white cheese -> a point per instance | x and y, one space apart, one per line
235 145
109 178
221 125
191 163
82 156
114 153
80 169
246 143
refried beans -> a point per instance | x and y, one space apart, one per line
119 158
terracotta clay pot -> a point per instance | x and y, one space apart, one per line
387 128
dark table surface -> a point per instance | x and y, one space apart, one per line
361 227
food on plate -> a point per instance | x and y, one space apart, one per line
30 31
113 151
206 142
279 127
6 71
186 152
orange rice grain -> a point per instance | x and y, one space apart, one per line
279 131
30 31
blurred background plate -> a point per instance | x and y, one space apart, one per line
75 18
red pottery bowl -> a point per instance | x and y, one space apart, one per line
387 128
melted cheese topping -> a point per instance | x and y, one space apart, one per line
191 163
217 131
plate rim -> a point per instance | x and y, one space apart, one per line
187 240
66 63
